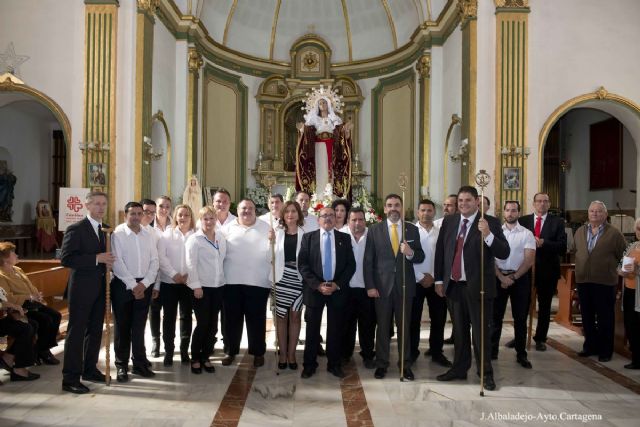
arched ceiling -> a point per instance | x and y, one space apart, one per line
354 29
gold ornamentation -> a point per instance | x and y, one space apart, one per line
9 79
323 92
424 66
601 93
195 60
149 6
512 3
467 9
310 61
392 26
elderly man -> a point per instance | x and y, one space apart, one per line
598 247
246 269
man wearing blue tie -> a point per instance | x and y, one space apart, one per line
326 264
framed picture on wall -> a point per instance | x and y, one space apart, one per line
511 178
97 174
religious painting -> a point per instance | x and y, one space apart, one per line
511 178
97 174
43 209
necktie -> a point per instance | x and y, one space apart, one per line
395 242
101 237
456 270
538 227
326 267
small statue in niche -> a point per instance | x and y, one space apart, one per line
7 184
192 195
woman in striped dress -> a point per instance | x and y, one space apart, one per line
288 291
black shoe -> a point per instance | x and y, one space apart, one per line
489 383
604 359
450 376
227 360
442 360
369 363
143 371
307 373
196 369
282 365
122 375
321 351
30 376
76 388
584 353
95 377
380 373
524 362
511 344
541 346
184 357
207 366
168 359
336 371
147 363
258 361
4 365
407 374
632 366
155 347
49 359
428 352
293 366
449 340
345 360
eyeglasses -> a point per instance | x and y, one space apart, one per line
149 212
325 216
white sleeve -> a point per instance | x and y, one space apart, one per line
192 247
152 271
119 267
165 263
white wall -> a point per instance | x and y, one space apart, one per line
25 143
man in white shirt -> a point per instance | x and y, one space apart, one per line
425 289
222 203
360 311
514 282
148 216
449 207
135 271
310 221
275 206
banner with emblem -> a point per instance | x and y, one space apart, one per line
71 204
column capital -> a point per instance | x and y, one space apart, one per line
148 6
468 10
423 66
194 60
518 4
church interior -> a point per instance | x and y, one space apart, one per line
134 98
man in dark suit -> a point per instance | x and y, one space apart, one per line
84 252
551 244
392 247
457 275
326 264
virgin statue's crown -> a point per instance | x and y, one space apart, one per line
323 92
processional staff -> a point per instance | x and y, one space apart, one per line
482 180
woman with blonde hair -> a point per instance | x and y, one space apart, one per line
206 250
173 283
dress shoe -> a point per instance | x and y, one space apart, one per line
307 373
584 353
524 362
282 365
511 344
196 369
227 360
49 359
95 377
147 363
143 371
336 371
442 360
77 387
4 365
407 374
604 359
632 366
155 347
449 340
428 352
369 363
489 383
168 359
293 366
122 375
258 361
380 373
208 367
450 376
321 351
184 357
541 346
30 376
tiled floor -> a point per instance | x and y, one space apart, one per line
559 390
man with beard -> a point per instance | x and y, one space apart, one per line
514 282
392 248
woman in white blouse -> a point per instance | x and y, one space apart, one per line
206 250
173 283
288 298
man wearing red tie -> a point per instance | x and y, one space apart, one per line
551 243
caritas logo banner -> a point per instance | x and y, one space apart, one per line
71 206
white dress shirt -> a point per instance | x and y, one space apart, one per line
248 258
205 260
438 222
95 225
520 239
230 218
270 219
172 254
357 281
428 239
136 256
333 249
310 223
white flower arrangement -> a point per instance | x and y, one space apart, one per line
324 200
259 195
362 199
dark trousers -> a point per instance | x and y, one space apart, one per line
22 346
170 295
437 314
545 292
245 303
597 306
84 330
386 308
465 309
129 319
154 317
520 294
335 328
206 310
48 321
632 323
359 314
